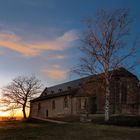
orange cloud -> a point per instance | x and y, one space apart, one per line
55 73
59 57
6 36
15 43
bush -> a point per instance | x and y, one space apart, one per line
124 120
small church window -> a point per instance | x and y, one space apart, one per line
85 104
46 112
53 104
65 102
39 106
69 88
80 84
60 89
79 103
124 93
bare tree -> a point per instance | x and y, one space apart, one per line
19 93
105 46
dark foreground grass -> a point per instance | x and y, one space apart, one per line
17 130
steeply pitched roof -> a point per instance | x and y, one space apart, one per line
55 95
64 86
72 87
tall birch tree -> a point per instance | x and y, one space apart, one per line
105 47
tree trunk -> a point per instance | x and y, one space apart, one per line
24 112
107 88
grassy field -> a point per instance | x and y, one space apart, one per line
17 130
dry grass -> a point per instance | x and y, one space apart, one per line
18 130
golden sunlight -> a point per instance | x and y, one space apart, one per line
12 113
15 113
2 114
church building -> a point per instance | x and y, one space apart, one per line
87 95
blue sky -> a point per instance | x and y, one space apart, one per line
40 37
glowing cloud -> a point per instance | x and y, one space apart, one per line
55 72
59 57
16 43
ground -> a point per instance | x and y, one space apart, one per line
17 130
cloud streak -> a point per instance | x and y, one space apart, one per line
57 57
30 49
55 73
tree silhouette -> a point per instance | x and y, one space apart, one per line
19 93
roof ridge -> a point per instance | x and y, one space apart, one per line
75 83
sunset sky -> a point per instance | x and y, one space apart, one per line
41 37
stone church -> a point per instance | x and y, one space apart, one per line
88 95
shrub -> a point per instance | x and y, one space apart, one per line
124 120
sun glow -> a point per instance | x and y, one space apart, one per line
12 113
15 113
3 114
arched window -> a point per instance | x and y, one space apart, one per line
39 106
124 93
79 103
65 102
85 103
53 104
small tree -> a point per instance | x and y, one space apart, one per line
105 48
19 93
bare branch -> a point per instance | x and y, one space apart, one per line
19 92
104 45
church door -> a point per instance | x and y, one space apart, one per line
93 105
